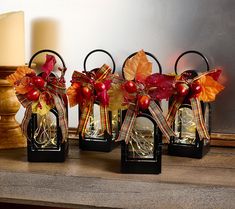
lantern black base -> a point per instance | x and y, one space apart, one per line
107 144
48 155
185 150
140 166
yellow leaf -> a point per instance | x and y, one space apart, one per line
40 107
116 98
210 88
137 66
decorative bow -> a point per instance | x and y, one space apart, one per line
40 94
193 88
141 91
88 88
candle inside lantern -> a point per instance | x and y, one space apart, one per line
12 39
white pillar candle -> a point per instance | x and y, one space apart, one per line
12 39
45 35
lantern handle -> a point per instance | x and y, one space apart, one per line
47 50
98 50
195 52
147 53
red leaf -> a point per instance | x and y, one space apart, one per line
160 86
48 66
215 74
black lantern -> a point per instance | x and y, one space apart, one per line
187 142
46 142
95 139
143 153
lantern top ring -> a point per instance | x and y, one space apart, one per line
98 50
192 52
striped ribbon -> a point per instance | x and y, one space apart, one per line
84 118
159 118
130 118
197 113
200 123
128 124
177 101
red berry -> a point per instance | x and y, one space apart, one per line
100 86
38 81
196 88
182 89
33 95
130 86
86 92
143 101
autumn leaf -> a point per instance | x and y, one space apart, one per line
49 64
19 74
40 107
130 68
137 67
72 94
116 97
215 74
24 85
144 69
210 88
160 86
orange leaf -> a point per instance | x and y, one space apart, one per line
19 74
210 88
72 95
137 67
143 71
24 85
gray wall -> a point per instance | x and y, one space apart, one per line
164 27
207 26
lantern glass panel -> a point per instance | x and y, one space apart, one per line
45 135
184 126
141 144
93 129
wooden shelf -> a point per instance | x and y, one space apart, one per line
93 180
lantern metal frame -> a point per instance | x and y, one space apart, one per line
106 143
143 165
200 147
59 153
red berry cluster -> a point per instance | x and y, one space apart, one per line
143 100
184 89
37 83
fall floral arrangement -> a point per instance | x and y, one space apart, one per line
41 93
